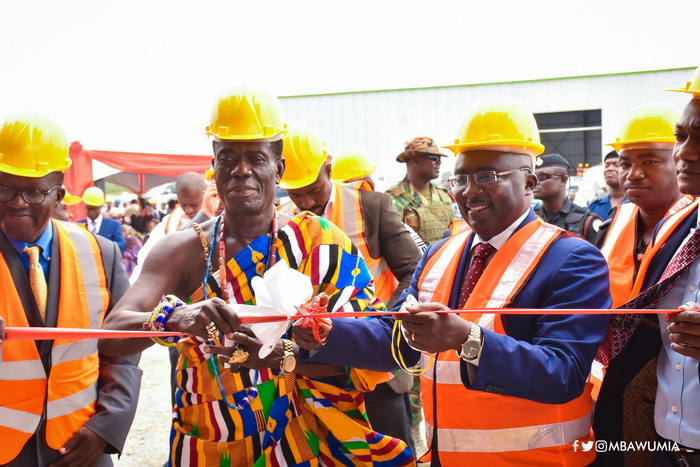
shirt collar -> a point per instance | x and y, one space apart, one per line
499 240
98 222
44 241
329 205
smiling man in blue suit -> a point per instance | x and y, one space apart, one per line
518 381
105 227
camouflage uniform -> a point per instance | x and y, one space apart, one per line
428 215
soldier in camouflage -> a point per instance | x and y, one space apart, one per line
424 206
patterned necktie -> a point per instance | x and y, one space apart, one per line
622 326
37 280
93 226
481 253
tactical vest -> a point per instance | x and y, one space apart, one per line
433 219
578 221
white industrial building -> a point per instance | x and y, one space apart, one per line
576 115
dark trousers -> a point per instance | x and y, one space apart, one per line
390 413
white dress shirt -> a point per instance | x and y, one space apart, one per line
676 412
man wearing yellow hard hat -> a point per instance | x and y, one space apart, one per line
519 381
353 164
95 222
367 217
370 221
648 178
283 404
423 206
60 400
61 212
667 278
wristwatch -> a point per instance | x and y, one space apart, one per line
289 361
471 348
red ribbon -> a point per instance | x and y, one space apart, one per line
45 333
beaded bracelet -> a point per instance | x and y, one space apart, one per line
158 318
243 403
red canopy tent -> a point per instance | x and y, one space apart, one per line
137 171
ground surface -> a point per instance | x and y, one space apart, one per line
147 444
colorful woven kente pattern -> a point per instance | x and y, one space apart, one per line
295 420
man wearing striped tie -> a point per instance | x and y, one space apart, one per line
61 402
668 278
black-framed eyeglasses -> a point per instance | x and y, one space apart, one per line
544 176
434 157
29 195
481 178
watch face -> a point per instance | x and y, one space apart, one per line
289 363
470 349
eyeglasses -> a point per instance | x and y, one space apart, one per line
434 157
30 195
481 178
546 176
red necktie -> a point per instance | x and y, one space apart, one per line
622 326
479 256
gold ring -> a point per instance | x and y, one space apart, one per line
212 331
238 357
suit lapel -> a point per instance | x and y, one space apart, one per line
668 250
54 281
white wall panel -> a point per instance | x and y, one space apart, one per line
381 121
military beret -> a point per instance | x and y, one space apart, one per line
551 160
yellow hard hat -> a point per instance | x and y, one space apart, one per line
246 113
69 199
652 122
304 154
499 123
692 86
93 196
32 146
351 162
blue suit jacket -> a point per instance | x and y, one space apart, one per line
111 230
544 358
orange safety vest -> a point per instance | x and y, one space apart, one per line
361 184
458 226
619 247
67 397
174 220
494 429
347 214
663 233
